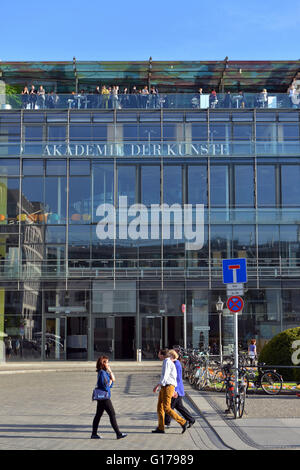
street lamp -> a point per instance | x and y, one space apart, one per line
219 307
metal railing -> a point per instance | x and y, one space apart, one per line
150 101
266 268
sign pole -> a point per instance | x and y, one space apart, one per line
183 309
236 353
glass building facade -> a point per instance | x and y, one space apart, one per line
67 293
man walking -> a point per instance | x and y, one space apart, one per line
167 384
176 402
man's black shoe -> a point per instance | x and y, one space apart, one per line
184 427
120 436
158 431
95 436
191 423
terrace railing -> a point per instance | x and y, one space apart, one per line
150 101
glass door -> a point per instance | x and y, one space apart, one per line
152 340
77 338
55 339
104 333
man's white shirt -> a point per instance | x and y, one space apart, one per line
168 373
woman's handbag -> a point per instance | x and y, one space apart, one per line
99 394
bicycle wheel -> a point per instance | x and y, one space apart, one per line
201 382
271 383
239 404
218 381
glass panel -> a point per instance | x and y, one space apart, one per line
219 186
171 131
33 192
290 244
57 117
130 132
80 204
103 337
10 132
266 187
55 342
99 133
151 132
244 244
56 167
55 198
55 256
102 185
268 241
242 132
79 167
33 167
219 132
199 132
221 241
151 336
9 167
9 199
172 184
114 297
288 132
33 133
150 185
266 131
23 341
197 184
244 185
55 234
127 183
34 117
290 188
80 132
77 338
57 133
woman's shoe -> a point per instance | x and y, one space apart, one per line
95 436
120 436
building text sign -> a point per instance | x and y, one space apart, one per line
177 149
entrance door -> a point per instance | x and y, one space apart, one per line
66 338
77 340
152 339
55 338
125 338
114 336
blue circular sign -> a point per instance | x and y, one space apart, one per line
235 303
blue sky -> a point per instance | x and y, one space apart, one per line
163 29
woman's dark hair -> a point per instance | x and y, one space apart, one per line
99 363
164 352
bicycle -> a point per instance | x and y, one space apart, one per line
269 380
235 400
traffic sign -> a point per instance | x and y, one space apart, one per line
235 289
235 303
234 270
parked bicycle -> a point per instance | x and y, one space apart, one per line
235 399
269 380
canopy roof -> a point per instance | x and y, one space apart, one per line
179 76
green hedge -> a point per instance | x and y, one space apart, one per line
278 351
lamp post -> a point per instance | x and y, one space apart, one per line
219 307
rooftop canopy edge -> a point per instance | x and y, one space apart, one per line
180 76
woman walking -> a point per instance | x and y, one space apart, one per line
105 381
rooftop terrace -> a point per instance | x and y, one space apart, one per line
168 76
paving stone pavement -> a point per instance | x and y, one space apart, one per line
53 410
